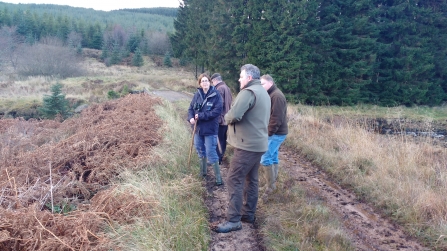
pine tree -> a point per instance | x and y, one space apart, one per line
115 58
55 104
79 49
167 59
133 42
222 53
104 52
177 39
405 61
137 59
95 37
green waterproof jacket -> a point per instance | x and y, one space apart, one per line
248 118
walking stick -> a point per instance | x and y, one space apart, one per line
219 146
190 148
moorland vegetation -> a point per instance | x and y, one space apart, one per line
116 173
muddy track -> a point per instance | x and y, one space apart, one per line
366 228
216 200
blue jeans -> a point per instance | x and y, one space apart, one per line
206 147
271 156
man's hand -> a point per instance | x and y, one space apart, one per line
192 121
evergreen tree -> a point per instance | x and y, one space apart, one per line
137 59
115 58
437 18
111 94
178 42
79 49
95 36
55 104
133 42
63 27
5 17
167 59
222 54
405 64
104 51
273 45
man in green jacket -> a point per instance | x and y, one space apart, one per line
247 122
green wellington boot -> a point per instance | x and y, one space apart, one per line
202 164
276 167
217 173
271 182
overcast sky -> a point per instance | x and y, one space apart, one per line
104 5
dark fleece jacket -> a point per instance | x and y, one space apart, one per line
278 112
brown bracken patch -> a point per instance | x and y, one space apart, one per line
66 167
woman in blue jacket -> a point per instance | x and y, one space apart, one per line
205 109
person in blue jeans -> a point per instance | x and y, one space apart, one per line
205 109
277 131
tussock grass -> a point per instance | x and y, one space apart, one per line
417 113
403 178
294 219
180 217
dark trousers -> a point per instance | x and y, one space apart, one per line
242 184
222 135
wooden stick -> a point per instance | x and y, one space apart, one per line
190 148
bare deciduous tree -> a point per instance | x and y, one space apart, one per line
10 44
49 58
74 39
158 43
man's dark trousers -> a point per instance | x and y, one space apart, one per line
242 184
222 135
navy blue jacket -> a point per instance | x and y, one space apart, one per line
209 109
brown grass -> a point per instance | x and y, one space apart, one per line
403 178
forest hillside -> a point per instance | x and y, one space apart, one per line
344 52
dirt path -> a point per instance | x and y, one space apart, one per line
367 229
216 200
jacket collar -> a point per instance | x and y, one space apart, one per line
219 84
211 92
252 82
272 89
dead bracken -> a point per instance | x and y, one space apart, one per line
55 176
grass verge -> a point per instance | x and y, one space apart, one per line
179 220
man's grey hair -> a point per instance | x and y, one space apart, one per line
216 76
251 70
268 78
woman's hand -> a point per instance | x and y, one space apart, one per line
192 121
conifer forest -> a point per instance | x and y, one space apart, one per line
332 52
